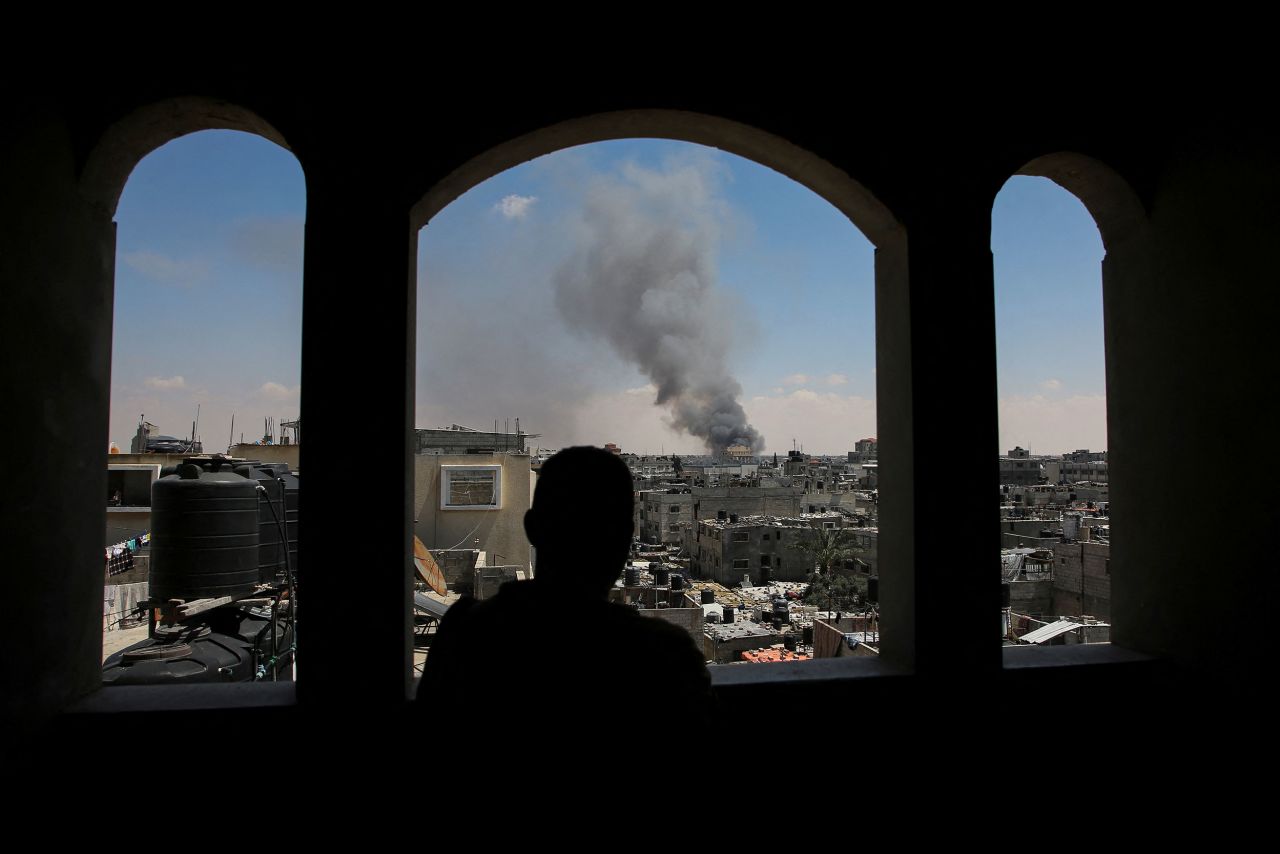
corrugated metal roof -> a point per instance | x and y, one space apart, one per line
1049 632
434 607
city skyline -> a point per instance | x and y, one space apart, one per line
211 226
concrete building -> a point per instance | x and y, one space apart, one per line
457 439
1182 183
1082 579
1018 468
474 501
725 642
763 548
864 451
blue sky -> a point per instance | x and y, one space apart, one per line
208 300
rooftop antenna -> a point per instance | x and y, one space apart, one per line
231 440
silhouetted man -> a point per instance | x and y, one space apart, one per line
553 654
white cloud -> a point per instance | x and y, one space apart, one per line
165 383
1051 384
825 423
276 391
837 379
165 270
796 379
778 390
649 390
515 207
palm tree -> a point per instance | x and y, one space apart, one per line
830 548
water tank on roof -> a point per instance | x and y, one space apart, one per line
1004 594
806 634
677 581
722 515
729 612
204 534
789 642
733 517
873 589
661 577
708 596
291 485
631 577
270 546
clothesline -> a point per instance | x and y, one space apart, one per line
119 557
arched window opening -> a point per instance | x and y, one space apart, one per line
707 319
1055 502
205 366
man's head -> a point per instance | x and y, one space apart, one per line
581 519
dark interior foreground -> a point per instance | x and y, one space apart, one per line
1187 201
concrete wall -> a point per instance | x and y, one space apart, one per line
1069 561
689 619
487 579
1185 191
133 480
125 523
500 532
1031 597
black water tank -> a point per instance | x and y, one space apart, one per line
781 611
806 634
270 549
873 589
733 518
204 535
789 642
728 612
722 515
631 577
661 577
1004 594
677 581
708 596
291 484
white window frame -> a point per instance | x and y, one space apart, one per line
446 476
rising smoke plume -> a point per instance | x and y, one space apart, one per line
642 276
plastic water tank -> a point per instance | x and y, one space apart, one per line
270 546
708 596
204 535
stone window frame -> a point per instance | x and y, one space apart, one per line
447 474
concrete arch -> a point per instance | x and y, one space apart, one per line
894 372
864 210
124 144
1112 203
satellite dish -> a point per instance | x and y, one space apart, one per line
427 568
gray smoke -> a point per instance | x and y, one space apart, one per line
642 276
